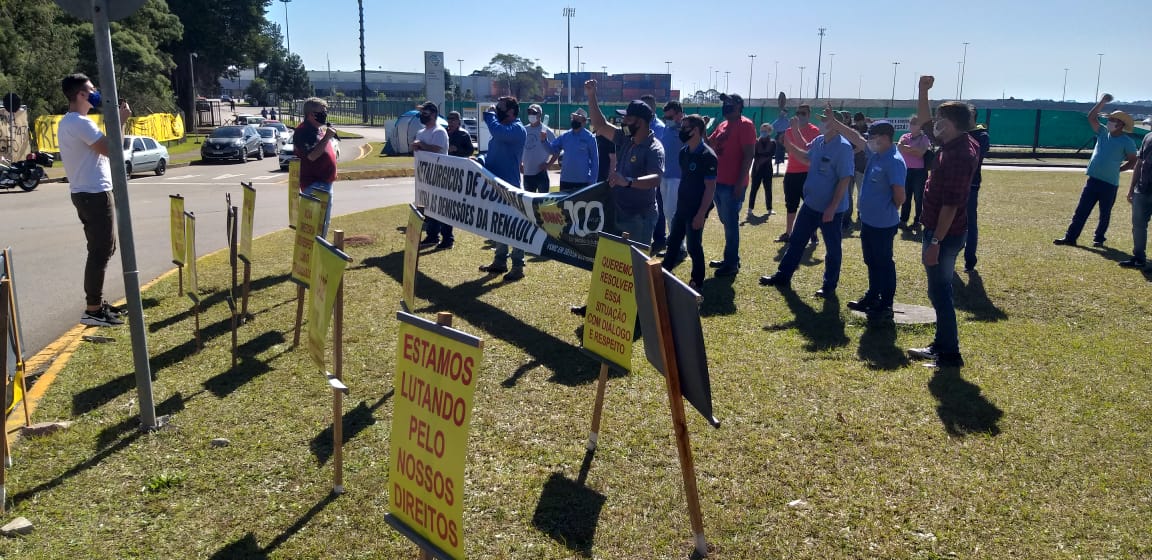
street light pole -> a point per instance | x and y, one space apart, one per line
1064 92
286 34
752 61
831 56
1099 65
192 106
963 70
363 72
726 88
578 47
569 13
959 65
802 81
819 59
776 81
892 101
716 80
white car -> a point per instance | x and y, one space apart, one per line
142 153
285 132
288 153
270 140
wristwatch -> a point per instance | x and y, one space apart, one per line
934 241
629 185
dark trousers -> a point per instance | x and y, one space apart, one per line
1095 191
438 230
763 174
95 212
659 235
876 245
537 183
679 230
569 186
807 222
914 182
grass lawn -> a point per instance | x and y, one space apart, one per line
1039 448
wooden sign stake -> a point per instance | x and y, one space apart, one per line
247 287
601 385
180 275
196 311
299 315
338 369
676 403
233 219
4 451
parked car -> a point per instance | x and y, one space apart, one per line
285 132
142 153
233 142
471 126
225 98
271 140
254 120
288 153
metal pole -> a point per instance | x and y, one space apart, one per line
569 13
819 59
752 61
1064 92
726 76
103 37
959 65
963 70
192 107
802 81
776 81
895 66
1099 66
831 56
363 74
287 35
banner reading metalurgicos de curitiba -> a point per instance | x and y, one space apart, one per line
560 226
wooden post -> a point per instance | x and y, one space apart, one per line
233 218
299 315
338 372
247 287
601 385
4 310
196 311
676 403
180 275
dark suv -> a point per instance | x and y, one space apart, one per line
233 142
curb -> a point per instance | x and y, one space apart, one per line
65 179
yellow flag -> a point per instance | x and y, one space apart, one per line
176 227
328 265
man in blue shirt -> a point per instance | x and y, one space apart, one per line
663 214
505 150
829 157
581 157
779 126
1115 152
670 183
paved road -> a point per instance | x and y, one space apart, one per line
49 247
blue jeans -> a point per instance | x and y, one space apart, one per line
639 225
326 187
728 209
501 256
876 244
947 339
1095 191
973 231
807 221
1141 212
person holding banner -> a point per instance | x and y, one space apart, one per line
84 150
316 152
581 155
505 154
696 190
433 139
639 166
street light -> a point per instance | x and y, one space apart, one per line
286 34
569 13
776 81
459 76
819 59
963 70
1064 92
578 47
802 81
752 60
831 56
1099 65
892 101
726 88
192 106
716 80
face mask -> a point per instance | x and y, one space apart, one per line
671 123
763 134
685 136
726 109
533 119
94 98
874 145
425 119
576 124
632 128
501 115
937 129
322 118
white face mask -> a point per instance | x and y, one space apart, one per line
937 129
533 119
874 145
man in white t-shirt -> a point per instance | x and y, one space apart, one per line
84 151
433 138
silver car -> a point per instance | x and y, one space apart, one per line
288 153
285 132
142 153
271 140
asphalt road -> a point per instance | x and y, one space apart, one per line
49 249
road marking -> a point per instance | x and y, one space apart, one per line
226 176
263 177
177 178
198 184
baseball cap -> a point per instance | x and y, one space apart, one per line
580 113
1122 117
637 109
430 106
534 108
882 128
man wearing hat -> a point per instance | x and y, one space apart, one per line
734 142
581 157
536 152
1115 152
639 165
1140 197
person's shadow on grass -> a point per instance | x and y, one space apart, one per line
569 512
878 348
823 329
248 548
973 298
961 407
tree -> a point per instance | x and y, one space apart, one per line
259 91
37 49
287 77
520 75
219 33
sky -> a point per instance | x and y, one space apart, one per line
1016 48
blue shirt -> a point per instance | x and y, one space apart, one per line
505 149
581 156
828 164
780 125
1109 154
672 145
882 171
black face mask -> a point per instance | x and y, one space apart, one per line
501 115
632 128
425 119
685 136
726 109
321 118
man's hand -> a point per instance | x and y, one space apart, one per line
926 82
616 180
1129 197
329 132
543 136
590 87
1106 98
698 221
828 215
829 112
543 167
125 111
491 108
931 255
794 122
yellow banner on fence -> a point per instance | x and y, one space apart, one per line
411 255
328 264
293 191
611 313
310 218
436 372
176 227
193 290
247 215
160 126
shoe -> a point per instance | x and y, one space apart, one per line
927 353
517 273
771 212
726 271
749 215
969 268
696 286
777 280
813 242
1133 263
658 246
1064 241
99 318
580 310
494 269
429 242
863 304
113 310
951 359
784 237
716 264
880 314
445 244
1097 243
825 293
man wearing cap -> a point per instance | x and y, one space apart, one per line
581 156
433 139
537 152
1140 197
505 150
1115 152
639 165
439 234
980 135
734 142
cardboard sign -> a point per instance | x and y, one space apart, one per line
328 265
293 191
193 288
610 319
13 354
247 215
411 255
176 226
309 220
436 372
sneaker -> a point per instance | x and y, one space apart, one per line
784 237
429 242
1064 241
1097 243
813 242
580 310
726 271
927 353
771 212
494 269
825 293
716 264
99 318
863 304
517 273
778 280
969 268
1133 263
113 310
696 286
445 245
658 246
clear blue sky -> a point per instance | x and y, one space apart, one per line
1017 48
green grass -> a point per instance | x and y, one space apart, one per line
1038 448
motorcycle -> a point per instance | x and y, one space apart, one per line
25 174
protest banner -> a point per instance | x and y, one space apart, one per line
309 220
4 349
559 226
247 216
14 356
190 261
293 192
178 236
411 255
436 372
328 265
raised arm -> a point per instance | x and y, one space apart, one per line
1093 114
603 127
923 108
849 133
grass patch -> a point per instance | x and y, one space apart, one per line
1039 448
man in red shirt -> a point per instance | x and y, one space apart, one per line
945 219
734 141
316 152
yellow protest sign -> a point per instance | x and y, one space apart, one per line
176 226
293 191
193 290
162 127
247 215
411 255
328 265
310 218
436 372
610 318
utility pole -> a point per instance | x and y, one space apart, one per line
831 56
963 70
363 73
802 81
1064 92
751 62
569 13
819 59
578 63
287 35
1099 66
726 88
776 81
892 101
